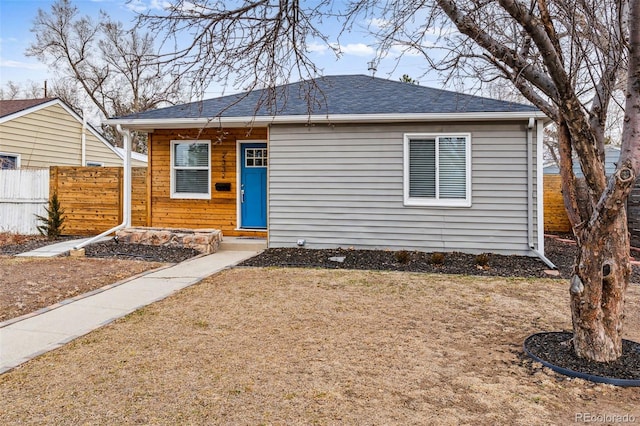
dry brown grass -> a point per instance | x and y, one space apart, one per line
293 346
29 284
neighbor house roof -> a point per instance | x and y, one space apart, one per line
12 109
16 105
331 98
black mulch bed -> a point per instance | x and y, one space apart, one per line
109 249
561 253
30 244
556 349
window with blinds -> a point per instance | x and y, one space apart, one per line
190 169
437 170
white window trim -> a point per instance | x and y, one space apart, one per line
11 154
436 202
189 195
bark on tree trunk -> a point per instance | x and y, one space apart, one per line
598 286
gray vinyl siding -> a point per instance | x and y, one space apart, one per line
342 186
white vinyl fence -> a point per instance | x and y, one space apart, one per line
23 194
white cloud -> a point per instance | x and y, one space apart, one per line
137 6
378 23
356 49
397 49
8 63
316 47
159 4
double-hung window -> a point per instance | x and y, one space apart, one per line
437 170
191 169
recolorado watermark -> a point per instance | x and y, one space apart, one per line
605 418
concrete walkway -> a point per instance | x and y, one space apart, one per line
53 250
24 338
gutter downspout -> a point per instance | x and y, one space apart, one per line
532 246
126 199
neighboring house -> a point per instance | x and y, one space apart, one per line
38 133
370 163
611 156
137 159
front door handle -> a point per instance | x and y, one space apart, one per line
242 196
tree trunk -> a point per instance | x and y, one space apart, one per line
598 286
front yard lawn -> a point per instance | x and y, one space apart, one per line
303 346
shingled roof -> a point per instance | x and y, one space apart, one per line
336 95
16 105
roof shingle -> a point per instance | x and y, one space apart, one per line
16 105
336 95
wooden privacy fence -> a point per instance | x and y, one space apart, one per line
555 216
92 197
24 193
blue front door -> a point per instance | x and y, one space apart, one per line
253 185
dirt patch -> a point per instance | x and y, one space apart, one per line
29 284
305 346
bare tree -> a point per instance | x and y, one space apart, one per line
256 44
118 69
566 57
12 90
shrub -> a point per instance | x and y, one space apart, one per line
437 258
53 223
483 259
403 257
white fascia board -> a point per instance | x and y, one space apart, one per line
152 124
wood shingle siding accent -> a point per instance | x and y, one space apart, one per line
342 186
138 196
51 136
219 212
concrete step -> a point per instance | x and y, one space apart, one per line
243 244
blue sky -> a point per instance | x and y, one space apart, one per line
16 19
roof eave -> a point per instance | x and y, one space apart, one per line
260 121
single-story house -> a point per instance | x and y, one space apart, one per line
351 161
38 133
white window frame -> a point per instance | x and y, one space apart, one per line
190 195
11 154
437 201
